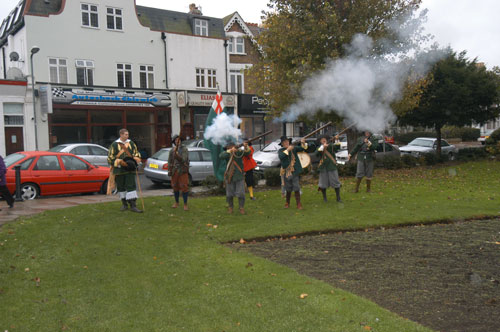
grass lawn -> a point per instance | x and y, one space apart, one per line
92 268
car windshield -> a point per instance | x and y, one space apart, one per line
11 159
58 148
161 155
191 143
271 147
427 143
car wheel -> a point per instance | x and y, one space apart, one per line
104 187
451 156
29 191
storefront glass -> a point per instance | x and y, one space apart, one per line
104 135
140 117
69 116
65 135
142 136
106 117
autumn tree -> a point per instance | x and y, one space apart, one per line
459 92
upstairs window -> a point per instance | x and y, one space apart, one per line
236 81
114 19
147 77
236 45
206 78
200 27
58 70
84 72
124 74
89 15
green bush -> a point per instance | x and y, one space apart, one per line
429 159
406 138
215 187
348 169
466 134
391 162
469 154
493 143
409 160
272 177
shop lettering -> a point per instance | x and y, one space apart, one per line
259 101
208 97
115 98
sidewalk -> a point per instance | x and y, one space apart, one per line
27 208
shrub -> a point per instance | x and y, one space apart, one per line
469 154
272 177
429 159
391 162
409 160
493 143
348 169
406 138
215 187
464 133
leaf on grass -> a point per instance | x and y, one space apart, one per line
303 295
209 225
37 281
259 305
273 274
85 267
367 328
27 269
242 241
154 258
249 265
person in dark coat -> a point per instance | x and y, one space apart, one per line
291 168
365 152
4 191
234 175
178 169
327 167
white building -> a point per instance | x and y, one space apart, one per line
110 64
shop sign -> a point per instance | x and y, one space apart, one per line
181 99
45 98
252 104
105 98
207 99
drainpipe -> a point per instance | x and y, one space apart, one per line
225 58
164 38
4 63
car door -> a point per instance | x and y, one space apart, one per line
99 155
207 164
79 178
195 168
49 175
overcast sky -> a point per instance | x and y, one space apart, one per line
468 25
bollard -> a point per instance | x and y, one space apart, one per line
17 168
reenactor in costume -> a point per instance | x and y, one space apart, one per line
365 150
291 168
248 166
124 157
233 177
328 173
178 169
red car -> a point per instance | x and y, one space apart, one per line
53 173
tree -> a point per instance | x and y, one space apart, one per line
459 92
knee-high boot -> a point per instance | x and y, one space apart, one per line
368 186
337 192
323 191
297 199
358 182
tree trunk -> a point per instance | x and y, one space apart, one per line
438 145
352 137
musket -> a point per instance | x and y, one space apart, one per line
315 131
343 131
254 138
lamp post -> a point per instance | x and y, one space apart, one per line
34 50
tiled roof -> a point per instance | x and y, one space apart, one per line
177 22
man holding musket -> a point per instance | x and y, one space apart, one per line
291 168
328 173
178 169
365 150
124 157
234 175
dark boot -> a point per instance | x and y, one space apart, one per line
358 182
133 207
297 199
124 205
337 192
288 196
368 186
323 191
230 204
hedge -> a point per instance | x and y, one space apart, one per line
404 139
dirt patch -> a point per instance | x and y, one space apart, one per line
445 277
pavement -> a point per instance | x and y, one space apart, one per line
32 207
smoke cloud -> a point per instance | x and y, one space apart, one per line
224 129
361 86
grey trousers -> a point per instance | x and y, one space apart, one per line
365 168
329 179
235 189
292 183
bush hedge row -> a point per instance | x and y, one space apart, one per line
464 133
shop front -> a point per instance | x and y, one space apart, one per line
252 110
96 116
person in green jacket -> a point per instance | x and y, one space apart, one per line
234 175
328 173
291 168
365 150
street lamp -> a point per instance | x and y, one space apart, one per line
34 50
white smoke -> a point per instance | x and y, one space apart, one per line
224 129
362 86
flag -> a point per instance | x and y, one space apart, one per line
215 150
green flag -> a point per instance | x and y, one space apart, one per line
215 149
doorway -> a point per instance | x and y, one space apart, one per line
14 140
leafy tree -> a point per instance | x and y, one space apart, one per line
459 92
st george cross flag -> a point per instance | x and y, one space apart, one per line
215 150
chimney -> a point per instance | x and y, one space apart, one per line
194 10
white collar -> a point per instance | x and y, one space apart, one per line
120 141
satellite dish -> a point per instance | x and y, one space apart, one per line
14 56
14 74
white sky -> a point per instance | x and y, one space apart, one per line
462 24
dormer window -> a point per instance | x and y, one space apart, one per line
200 27
236 45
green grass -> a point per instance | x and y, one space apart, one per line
165 270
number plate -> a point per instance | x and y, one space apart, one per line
153 166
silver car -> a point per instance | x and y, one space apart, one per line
422 145
93 153
383 149
200 165
268 156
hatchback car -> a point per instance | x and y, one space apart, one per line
53 173
200 165
93 153
422 145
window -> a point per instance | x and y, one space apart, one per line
97 151
206 78
236 45
84 72
206 155
47 163
146 74
194 156
26 164
212 78
89 15
200 27
124 73
82 150
13 120
114 19
58 70
200 78
236 81
73 164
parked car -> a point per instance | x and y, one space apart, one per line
93 153
54 173
422 145
200 165
194 143
485 136
384 149
268 156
